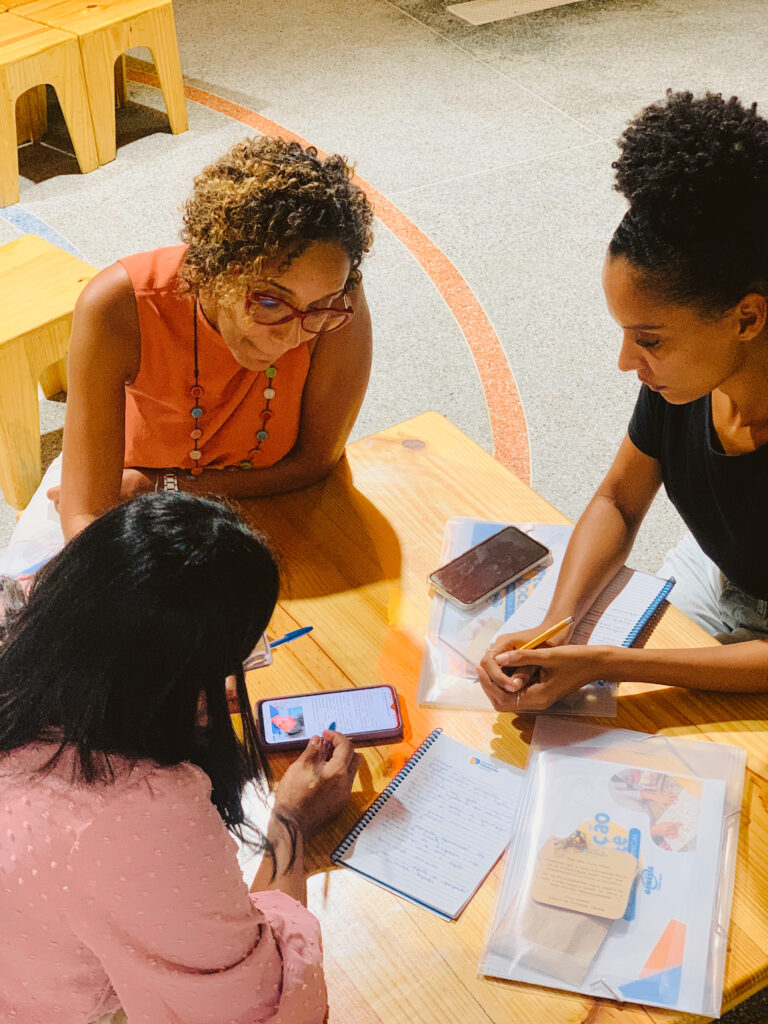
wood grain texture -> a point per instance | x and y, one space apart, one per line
356 551
39 285
32 55
105 29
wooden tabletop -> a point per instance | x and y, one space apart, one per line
356 550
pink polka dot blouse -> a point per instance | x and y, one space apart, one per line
129 894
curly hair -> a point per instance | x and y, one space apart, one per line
259 206
695 172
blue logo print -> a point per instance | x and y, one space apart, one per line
651 881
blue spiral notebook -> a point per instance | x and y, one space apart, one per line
438 828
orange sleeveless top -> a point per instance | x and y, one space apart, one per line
158 403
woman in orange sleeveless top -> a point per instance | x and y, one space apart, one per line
236 363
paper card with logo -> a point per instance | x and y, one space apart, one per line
619 880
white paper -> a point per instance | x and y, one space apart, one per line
443 828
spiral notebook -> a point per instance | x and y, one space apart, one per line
438 828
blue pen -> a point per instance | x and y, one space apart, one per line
291 636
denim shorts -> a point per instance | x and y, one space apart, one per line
712 601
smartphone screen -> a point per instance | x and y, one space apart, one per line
371 710
488 566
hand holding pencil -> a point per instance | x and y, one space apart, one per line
524 672
514 679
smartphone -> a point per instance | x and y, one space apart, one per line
488 567
368 715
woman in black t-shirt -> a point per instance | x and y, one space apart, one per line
686 279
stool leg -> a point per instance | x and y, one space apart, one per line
31 115
20 465
68 81
9 158
53 380
165 53
99 71
120 81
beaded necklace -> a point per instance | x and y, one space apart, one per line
197 392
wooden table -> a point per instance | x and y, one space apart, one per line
357 549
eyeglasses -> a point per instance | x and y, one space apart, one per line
269 311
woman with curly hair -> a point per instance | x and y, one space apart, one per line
246 349
686 279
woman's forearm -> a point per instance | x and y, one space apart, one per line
291 473
290 878
601 542
732 668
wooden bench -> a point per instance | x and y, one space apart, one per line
33 55
39 285
105 29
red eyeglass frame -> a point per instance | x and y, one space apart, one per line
300 314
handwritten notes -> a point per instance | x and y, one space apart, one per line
446 821
590 881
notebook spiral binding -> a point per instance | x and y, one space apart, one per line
651 615
381 799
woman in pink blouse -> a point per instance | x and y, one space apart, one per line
121 781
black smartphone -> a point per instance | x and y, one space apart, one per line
488 567
366 714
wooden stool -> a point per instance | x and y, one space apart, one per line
105 30
30 55
39 285
31 115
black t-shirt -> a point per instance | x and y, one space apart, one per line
723 499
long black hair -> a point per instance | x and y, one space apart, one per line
695 172
152 605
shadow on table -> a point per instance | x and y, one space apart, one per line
327 538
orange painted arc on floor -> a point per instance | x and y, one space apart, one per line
505 408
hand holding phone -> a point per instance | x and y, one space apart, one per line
488 567
366 714
311 793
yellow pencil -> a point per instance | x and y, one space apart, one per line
546 635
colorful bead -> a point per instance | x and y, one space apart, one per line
269 393
266 414
196 391
196 434
195 454
197 412
245 464
196 470
270 372
262 435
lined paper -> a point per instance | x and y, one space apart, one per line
441 830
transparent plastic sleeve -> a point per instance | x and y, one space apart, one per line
457 640
619 879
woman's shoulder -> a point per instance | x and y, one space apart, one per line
154 271
45 765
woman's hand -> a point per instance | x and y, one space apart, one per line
492 668
312 792
558 671
135 481
665 829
